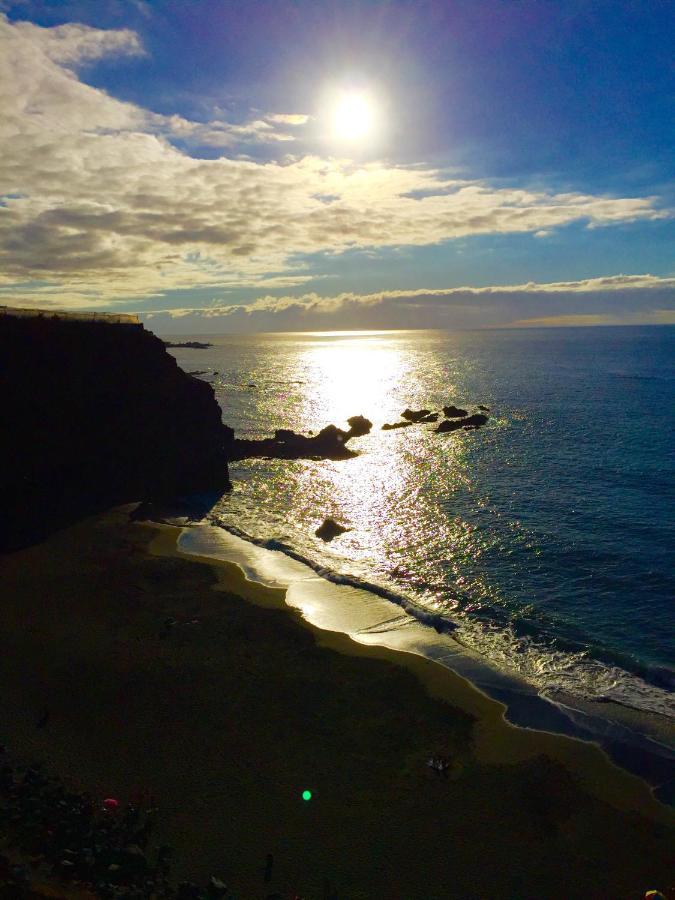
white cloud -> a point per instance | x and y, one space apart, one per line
101 206
620 299
288 118
74 44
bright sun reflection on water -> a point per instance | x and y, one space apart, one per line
353 376
384 490
397 496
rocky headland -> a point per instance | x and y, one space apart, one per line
190 345
96 413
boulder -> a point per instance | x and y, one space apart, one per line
415 415
330 529
468 423
358 426
454 412
449 425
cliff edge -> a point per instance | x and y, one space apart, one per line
96 412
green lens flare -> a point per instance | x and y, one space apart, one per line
306 795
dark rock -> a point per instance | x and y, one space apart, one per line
412 417
190 345
330 529
389 426
284 434
449 425
454 412
329 443
358 426
415 415
97 414
468 423
484 408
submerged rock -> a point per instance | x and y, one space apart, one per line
454 412
330 529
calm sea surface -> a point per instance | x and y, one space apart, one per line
544 540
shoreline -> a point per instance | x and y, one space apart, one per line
516 742
226 716
625 741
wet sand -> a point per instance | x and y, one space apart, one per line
227 720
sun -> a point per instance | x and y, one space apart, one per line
353 116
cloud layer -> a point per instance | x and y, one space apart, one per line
100 204
619 300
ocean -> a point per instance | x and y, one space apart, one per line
534 555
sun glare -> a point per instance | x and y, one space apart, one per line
353 116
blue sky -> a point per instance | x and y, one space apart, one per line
181 159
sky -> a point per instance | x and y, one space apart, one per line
234 166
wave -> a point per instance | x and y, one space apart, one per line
551 663
440 623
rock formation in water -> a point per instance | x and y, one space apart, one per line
330 529
469 423
329 443
454 412
412 417
190 345
389 426
415 415
96 413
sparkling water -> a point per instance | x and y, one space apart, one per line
542 542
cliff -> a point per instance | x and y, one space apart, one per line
96 412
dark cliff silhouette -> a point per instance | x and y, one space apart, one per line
96 412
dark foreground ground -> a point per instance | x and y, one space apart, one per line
223 721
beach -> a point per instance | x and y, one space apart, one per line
179 680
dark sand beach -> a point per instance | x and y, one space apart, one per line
225 721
